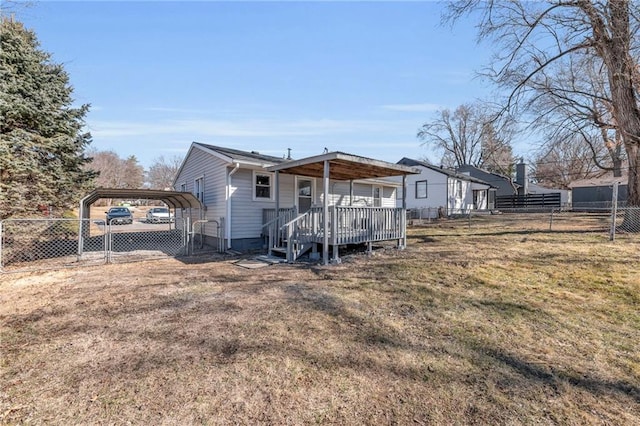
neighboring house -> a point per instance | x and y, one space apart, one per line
519 191
240 189
597 192
443 191
504 185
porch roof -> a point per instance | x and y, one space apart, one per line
343 167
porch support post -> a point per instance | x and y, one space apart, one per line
351 192
277 195
325 218
404 192
270 242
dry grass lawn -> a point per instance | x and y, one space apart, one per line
463 327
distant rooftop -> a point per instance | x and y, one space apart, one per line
446 171
604 180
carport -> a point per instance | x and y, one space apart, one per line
174 199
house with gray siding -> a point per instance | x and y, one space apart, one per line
241 191
503 185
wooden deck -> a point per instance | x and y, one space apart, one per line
295 234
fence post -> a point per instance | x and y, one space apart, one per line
107 242
614 211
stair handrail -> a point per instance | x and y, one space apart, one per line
293 233
273 231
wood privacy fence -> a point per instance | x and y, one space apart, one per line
528 202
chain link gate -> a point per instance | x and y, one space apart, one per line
126 246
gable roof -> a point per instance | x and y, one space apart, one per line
236 155
448 172
469 167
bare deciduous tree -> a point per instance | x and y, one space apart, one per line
470 135
563 161
163 171
116 172
570 102
532 37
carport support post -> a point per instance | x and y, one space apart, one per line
325 218
84 224
277 193
80 231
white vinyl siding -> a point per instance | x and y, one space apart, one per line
245 212
436 187
200 164
362 194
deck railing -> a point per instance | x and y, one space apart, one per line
352 225
347 225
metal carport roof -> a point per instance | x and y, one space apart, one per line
174 199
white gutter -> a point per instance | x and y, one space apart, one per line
228 220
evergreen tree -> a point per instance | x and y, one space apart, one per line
42 143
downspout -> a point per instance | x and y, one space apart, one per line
228 221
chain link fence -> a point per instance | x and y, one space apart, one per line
626 223
612 223
36 244
32 244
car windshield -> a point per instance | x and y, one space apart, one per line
161 210
119 210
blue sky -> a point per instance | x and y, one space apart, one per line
359 77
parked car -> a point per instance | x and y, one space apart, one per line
118 215
159 214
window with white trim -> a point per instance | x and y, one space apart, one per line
421 189
262 186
